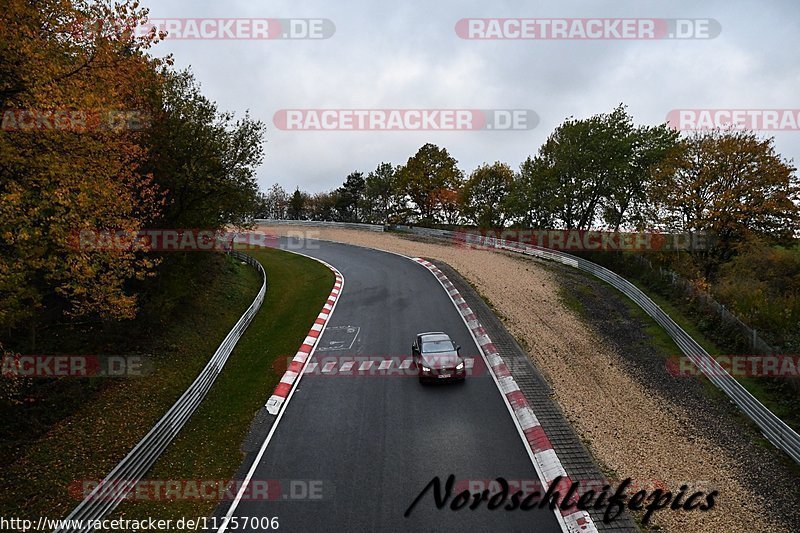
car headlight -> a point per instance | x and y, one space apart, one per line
460 366
425 368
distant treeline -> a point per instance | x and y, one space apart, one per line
605 172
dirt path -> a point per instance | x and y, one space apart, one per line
631 431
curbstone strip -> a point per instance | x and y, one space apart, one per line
575 457
295 370
546 461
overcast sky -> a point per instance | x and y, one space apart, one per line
408 55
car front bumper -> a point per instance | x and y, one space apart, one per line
442 374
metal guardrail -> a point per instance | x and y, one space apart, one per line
348 225
774 429
112 490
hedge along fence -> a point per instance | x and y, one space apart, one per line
719 322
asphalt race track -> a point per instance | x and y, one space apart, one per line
368 445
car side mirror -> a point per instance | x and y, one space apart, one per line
458 348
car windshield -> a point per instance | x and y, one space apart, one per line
437 346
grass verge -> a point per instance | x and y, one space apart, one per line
208 448
79 428
85 442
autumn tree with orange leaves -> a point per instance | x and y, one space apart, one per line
97 135
59 179
432 179
731 185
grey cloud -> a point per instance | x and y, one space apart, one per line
407 55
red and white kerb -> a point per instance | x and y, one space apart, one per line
546 461
301 358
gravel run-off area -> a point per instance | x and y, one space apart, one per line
636 419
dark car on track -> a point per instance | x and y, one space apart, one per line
437 357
